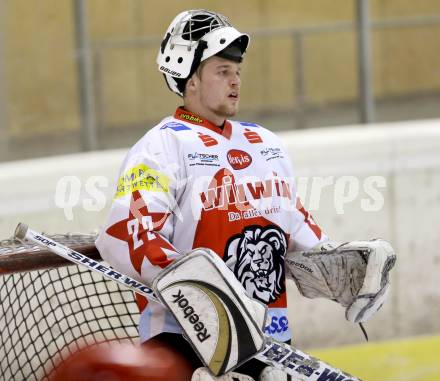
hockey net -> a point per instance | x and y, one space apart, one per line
50 307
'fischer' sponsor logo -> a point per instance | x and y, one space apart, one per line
203 159
239 159
229 193
170 72
202 156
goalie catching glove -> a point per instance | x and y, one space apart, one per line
222 323
355 274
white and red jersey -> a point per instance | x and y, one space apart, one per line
189 184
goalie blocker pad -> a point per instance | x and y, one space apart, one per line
222 323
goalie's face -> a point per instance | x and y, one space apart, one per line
213 91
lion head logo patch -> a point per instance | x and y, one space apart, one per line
256 256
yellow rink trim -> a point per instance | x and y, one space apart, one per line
416 359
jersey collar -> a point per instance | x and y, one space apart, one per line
189 117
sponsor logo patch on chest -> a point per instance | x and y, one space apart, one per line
239 159
205 159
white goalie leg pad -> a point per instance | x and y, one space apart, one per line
222 323
271 374
354 274
203 374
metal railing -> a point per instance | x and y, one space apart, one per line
297 35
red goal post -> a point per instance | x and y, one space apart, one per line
50 307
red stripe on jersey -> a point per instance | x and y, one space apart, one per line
308 219
207 140
141 301
281 302
252 137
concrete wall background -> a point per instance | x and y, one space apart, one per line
405 155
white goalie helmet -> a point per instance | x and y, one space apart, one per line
192 37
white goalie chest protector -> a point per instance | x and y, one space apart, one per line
189 184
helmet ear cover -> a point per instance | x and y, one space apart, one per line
181 82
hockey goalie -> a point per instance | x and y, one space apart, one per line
201 181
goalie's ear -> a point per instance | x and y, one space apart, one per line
213 310
192 84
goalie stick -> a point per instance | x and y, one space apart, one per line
277 354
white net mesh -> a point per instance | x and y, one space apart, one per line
46 314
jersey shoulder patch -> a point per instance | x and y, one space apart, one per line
175 126
248 124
